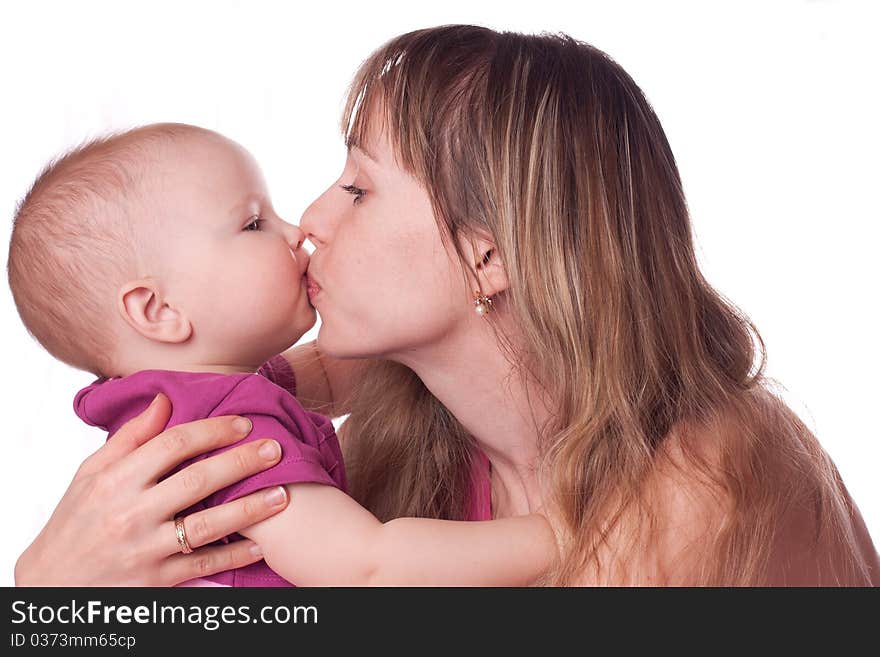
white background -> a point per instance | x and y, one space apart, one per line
770 108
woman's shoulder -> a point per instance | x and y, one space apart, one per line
707 519
774 495
834 550
661 540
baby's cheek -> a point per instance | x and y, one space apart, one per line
249 285
281 282
285 278
240 288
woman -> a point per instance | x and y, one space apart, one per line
505 268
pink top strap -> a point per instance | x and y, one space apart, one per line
481 493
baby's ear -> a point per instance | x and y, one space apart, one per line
147 312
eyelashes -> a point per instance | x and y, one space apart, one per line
255 223
357 192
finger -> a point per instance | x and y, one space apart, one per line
195 482
207 526
131 435
179 443
208 561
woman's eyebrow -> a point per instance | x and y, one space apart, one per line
364 151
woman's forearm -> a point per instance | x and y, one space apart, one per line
323 384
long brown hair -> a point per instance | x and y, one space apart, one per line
549 146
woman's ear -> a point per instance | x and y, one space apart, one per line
491 275
144 309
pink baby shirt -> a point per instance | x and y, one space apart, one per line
310 450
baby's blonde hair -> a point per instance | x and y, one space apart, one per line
77 236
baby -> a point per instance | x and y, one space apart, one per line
154 259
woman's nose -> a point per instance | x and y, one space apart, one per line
316 222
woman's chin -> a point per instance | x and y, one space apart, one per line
328 344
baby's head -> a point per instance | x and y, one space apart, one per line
158 248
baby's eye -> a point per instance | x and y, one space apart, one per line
254 224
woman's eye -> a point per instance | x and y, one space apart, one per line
254 224
356 191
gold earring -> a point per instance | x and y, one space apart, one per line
482 304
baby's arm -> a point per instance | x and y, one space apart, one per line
325 538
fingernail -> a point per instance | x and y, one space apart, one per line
155 399
270 450
242 425
276 496
256 550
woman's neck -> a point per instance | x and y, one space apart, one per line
471 377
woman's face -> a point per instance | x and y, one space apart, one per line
380 277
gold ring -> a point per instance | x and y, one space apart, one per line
181 536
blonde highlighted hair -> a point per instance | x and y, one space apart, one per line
549 146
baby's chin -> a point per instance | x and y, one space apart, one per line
304 321
309 319
271 333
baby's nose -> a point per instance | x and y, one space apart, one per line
296 239
294 236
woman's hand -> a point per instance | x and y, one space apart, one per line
115 524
